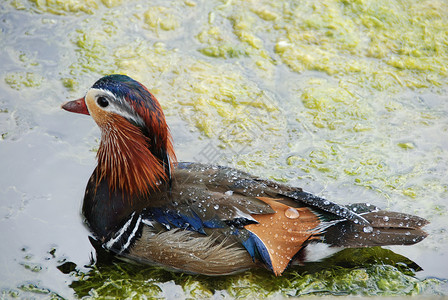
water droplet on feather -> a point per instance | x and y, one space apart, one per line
367 229
292 213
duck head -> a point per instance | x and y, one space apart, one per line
136 152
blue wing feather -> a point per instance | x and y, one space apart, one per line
258 250
172 218
191 221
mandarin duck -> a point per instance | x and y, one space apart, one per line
143 205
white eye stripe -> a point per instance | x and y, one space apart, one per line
118 106
125 113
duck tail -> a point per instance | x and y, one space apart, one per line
386 228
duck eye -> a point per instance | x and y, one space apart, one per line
102 101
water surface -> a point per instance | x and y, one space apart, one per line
346 99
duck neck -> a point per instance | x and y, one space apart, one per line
126 162
128 172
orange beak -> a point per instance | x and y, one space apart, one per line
77 106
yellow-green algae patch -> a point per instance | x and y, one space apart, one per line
63 7
220 44
334 106
216 99
160 17
385 45
361 275
19 80
31 78
351 139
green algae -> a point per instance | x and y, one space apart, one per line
25 290
219 44
159 17
334 106
62 7
371 281
351 272
372 42
31 78
20 80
